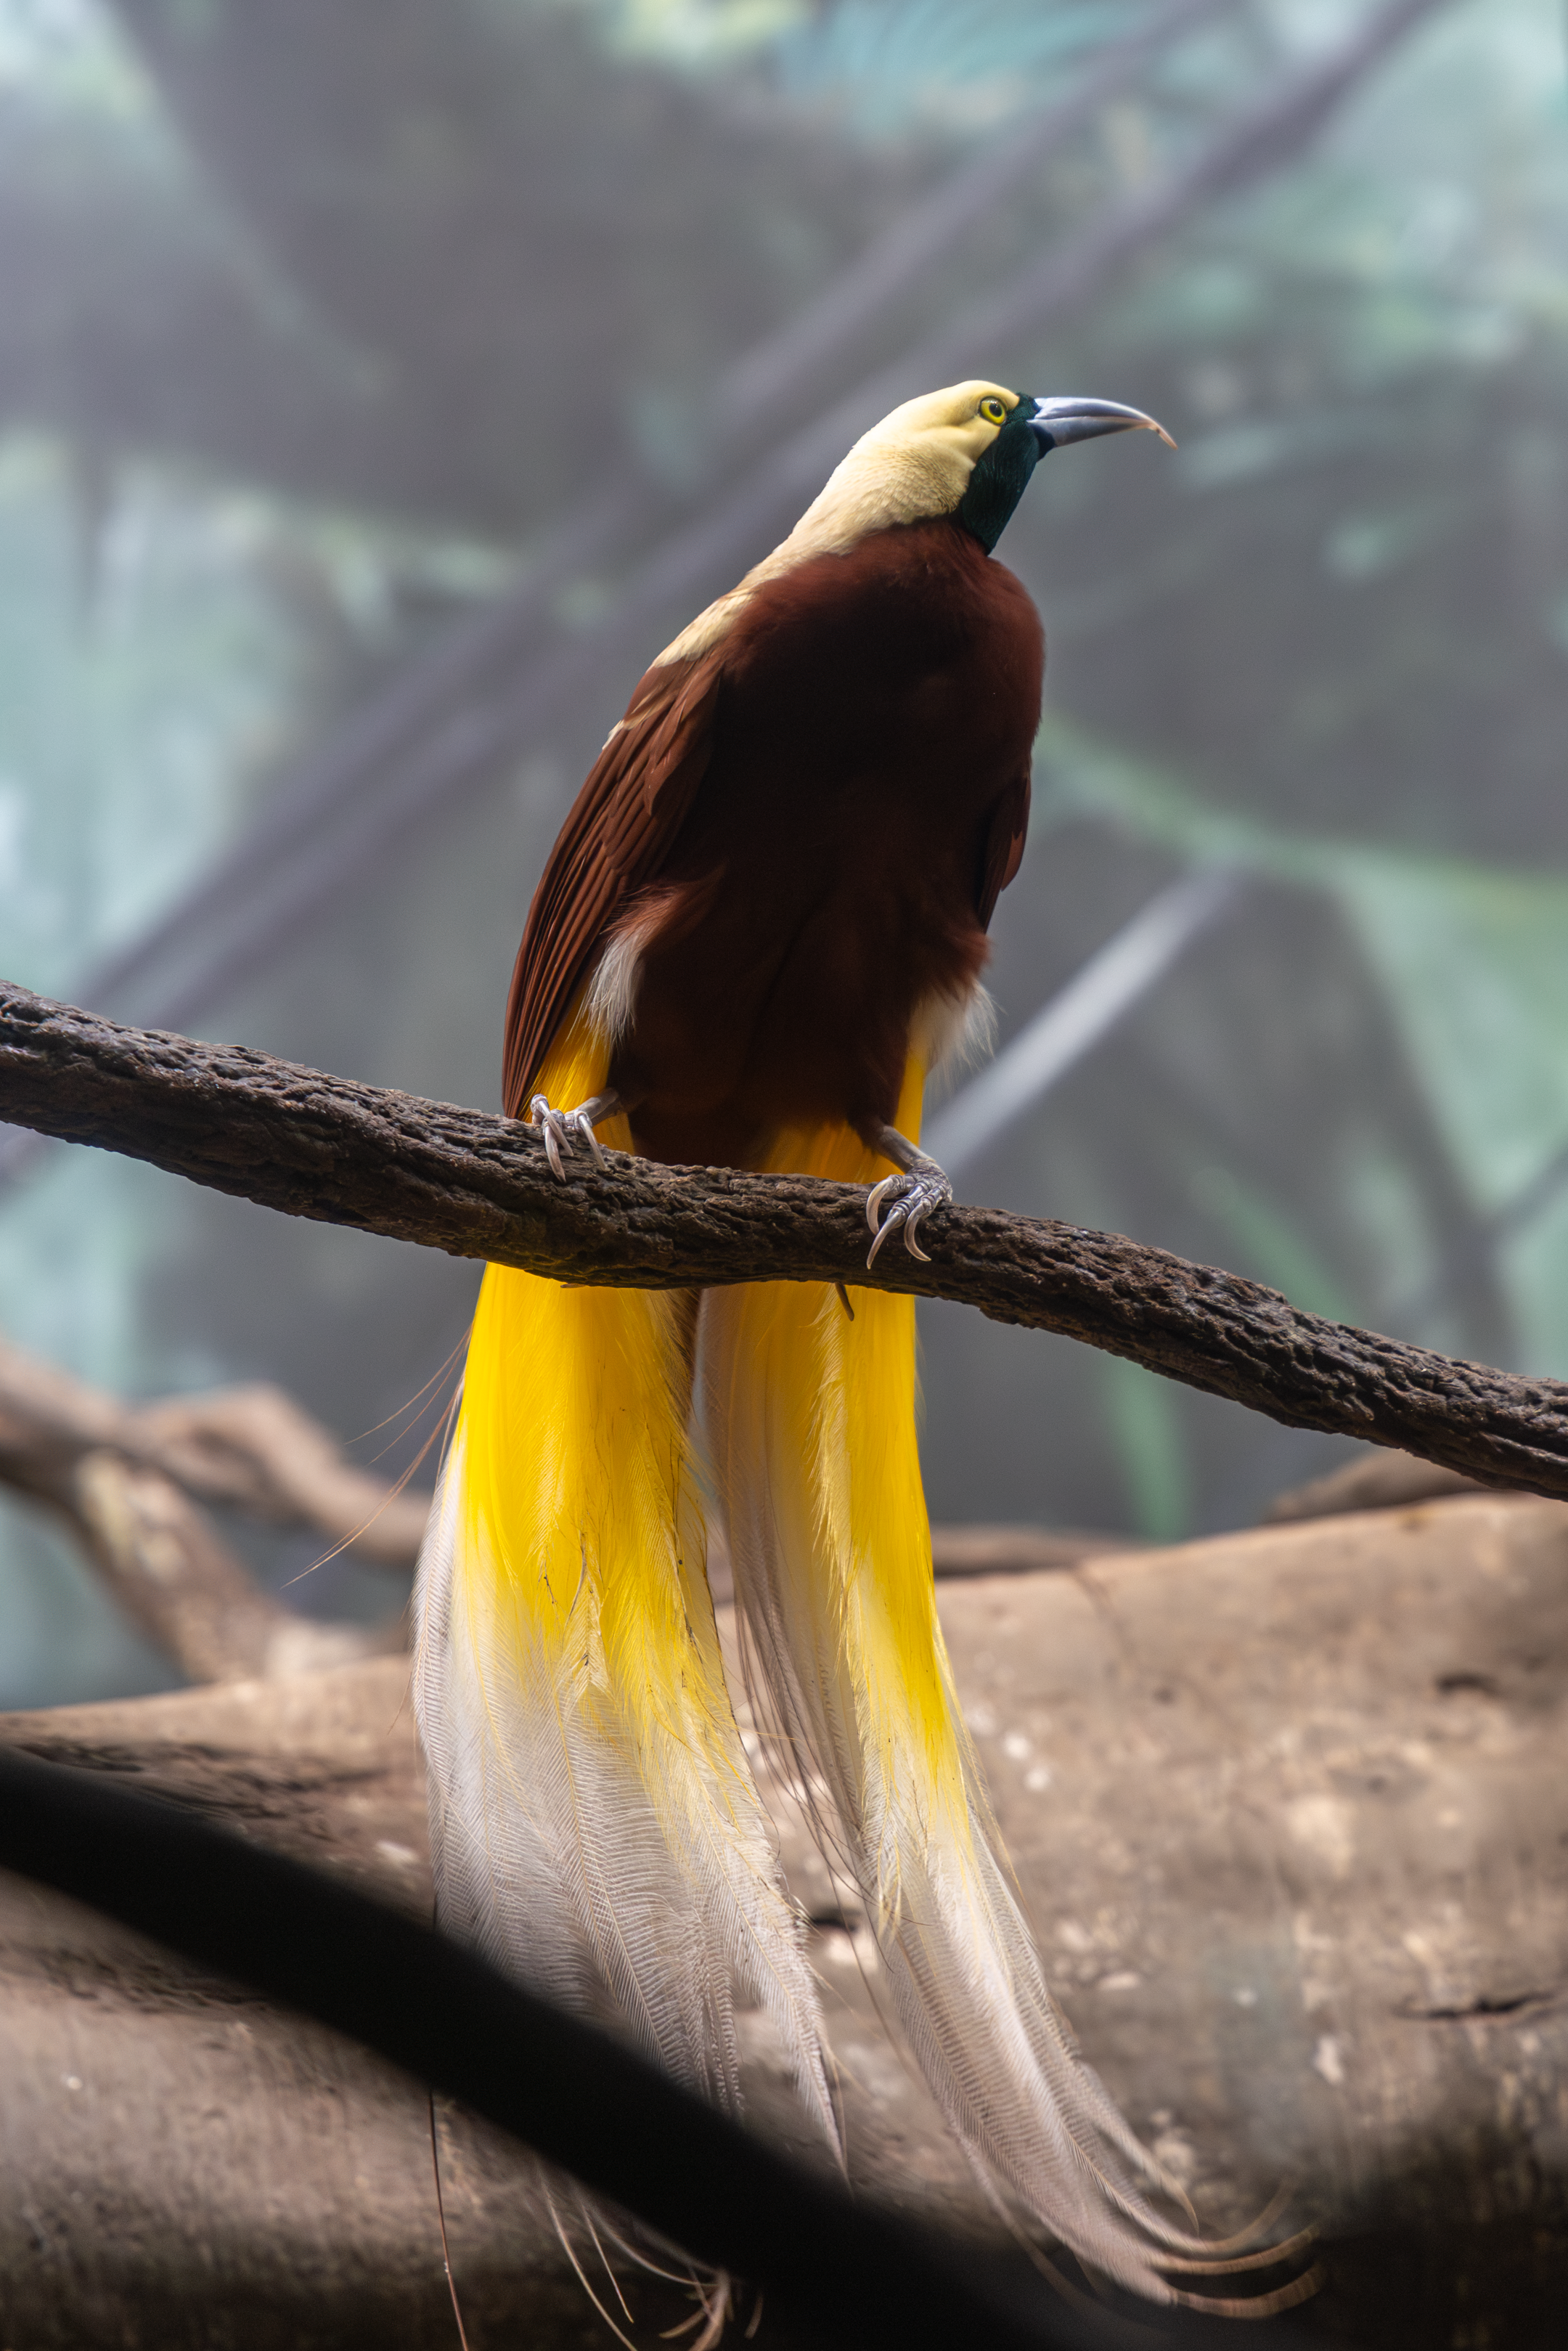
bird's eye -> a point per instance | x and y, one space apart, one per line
994 411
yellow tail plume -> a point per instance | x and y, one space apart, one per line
596 1829
811 1418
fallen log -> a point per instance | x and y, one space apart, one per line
1289 1811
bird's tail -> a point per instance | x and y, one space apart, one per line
596 1829
812 1420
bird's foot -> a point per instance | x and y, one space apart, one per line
913 1192
564 1129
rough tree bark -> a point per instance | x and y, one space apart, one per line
477 1186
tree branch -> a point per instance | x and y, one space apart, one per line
252 1449
127 1485
475 1185
166 1564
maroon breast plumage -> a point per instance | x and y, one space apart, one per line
806 829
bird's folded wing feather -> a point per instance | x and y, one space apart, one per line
618 834
1003 852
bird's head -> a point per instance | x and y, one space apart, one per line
968 451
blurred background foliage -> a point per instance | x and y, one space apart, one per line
328 324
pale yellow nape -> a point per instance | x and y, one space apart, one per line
914 464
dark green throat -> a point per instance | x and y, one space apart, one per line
1001 477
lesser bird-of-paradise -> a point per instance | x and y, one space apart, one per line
762 926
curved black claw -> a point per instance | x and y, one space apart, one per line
913 1195
562 1128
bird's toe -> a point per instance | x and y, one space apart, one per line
583 1125
913 1195
556 1130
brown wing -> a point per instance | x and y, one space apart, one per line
619 833
1003 852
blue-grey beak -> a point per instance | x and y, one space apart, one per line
1057 422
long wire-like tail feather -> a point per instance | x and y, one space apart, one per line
810 1418
595 1826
